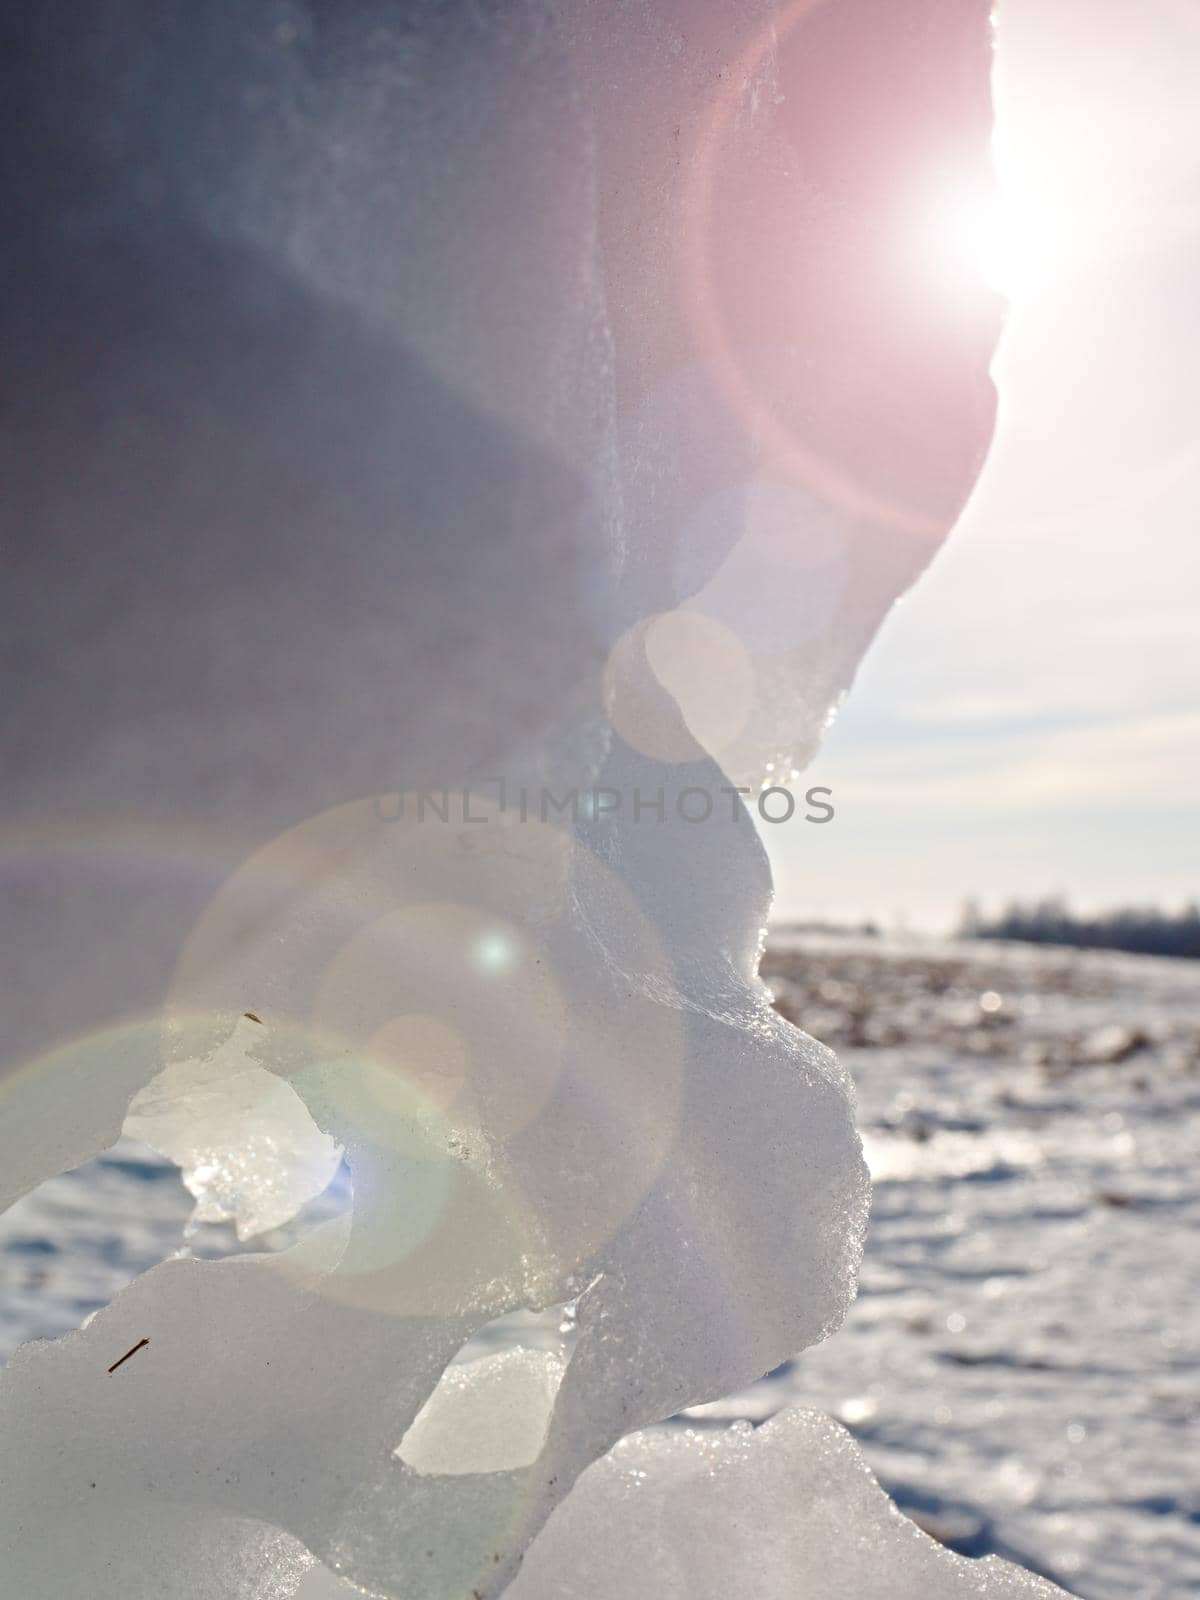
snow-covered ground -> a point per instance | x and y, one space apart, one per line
1022 1365
1022 1362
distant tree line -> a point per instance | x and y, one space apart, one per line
1143 930
868 928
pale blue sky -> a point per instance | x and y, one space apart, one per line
1028 719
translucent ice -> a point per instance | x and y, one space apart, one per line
486 1415
248 1149
787 1510
533 1107
427 414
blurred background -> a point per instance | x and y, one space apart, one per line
1020 756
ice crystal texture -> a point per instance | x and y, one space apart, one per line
461 446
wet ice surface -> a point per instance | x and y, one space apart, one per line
1021 1364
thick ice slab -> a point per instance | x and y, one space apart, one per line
441 398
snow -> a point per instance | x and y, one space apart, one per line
1022 1359
1020 1365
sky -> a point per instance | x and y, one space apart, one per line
1028 719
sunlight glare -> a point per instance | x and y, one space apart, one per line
1010 246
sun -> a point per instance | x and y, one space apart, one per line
994 242
1004 242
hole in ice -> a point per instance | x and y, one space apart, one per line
73 1243
70 1246
492 1406
489 1415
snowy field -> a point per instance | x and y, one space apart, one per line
1022 1365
